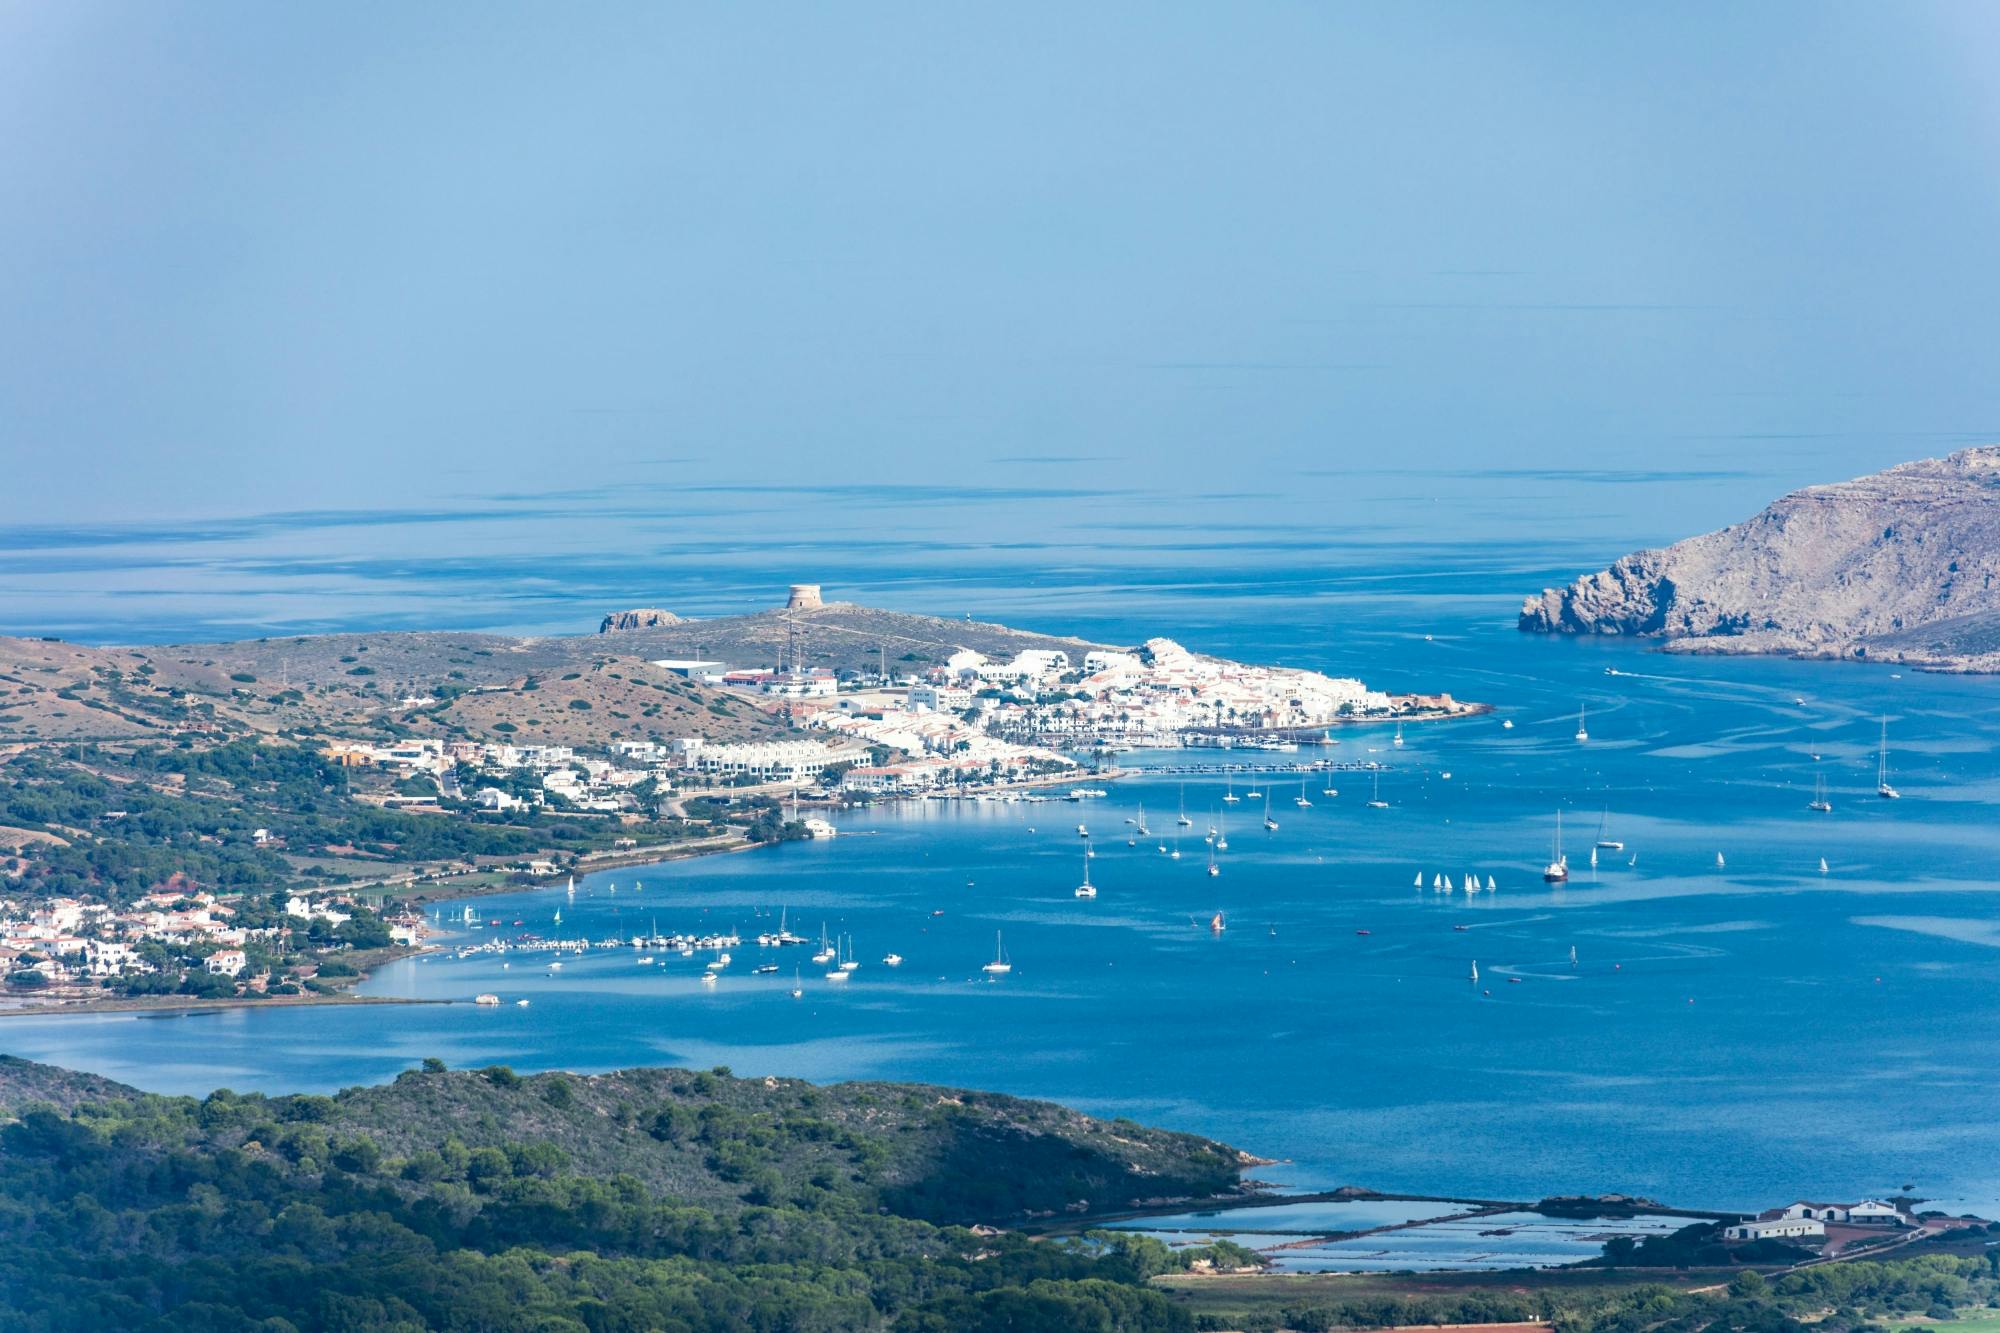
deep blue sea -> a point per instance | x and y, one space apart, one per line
1728 1037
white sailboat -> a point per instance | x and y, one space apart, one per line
1582 731
1300 800
1229 796
1475 971
1141 821
1213 868
999 967
1822 865
1718 861
1819 801
1607 843
1419 883
1572 955
1557 870
1269 823
1397 740
1086 889
1221 835
1182 819
1375 802
798 988
1489 884
1882 787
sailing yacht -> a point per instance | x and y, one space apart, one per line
1229 796
1489 885
1183 819
1086 889
1718 860
1269 823
798 988
1475 971
1419 882
999 967
1822 865
1216 924
1572 955
1557 870
1593 858
1221 836
1582 732
1300 800
1608 844
1376 802
571 891
1213 868
1882 787
1398 739
1819 801
1141 830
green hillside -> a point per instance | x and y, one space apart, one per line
646 1199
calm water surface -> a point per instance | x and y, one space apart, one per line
1726 1038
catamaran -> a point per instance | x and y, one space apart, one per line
1557 870
1882 787
999 967
1086 889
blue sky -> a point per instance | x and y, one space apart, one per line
261 259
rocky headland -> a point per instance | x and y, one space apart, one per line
1898 566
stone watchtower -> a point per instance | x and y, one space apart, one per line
805 597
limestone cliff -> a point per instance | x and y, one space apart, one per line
1899 565
642 618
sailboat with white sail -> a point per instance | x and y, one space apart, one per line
1300 800
1882 787
1269 823
1819 802
1375 802
1557 870
999 967
1608 843
1182 819
1086 889
1582 731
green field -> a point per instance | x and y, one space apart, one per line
1972 1321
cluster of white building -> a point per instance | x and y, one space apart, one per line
1806 1220
1155 696
76 940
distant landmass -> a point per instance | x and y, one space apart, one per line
1898 566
